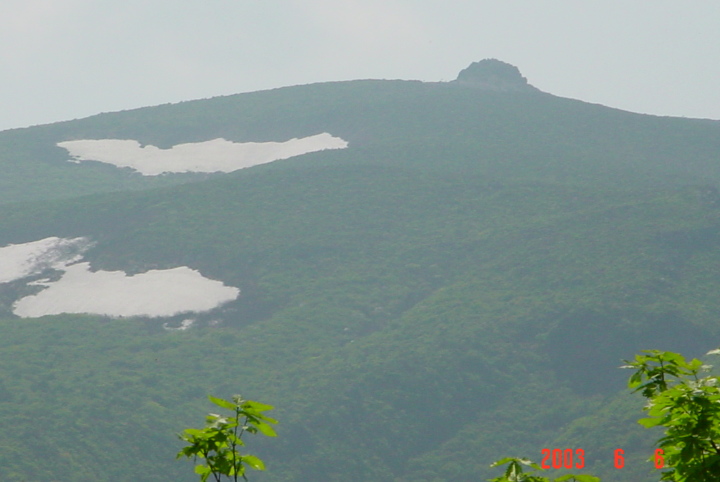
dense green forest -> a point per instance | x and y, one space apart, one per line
458 285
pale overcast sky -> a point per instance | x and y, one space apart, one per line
65 59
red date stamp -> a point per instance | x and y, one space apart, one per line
575 459
563 459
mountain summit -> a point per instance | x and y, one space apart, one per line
493 74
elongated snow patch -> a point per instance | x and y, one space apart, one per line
217 155
113 293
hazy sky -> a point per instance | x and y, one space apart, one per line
65 59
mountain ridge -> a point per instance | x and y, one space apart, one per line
364 125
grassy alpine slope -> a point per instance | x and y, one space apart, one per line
456 286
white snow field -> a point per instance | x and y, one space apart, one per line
217 155
155 293
18 261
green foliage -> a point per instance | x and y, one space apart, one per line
688 406
218 442
514 473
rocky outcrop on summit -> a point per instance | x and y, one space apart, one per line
493 74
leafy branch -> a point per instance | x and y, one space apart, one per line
217 444
688 405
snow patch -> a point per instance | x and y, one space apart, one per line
217 155
155 293
19 261
184 325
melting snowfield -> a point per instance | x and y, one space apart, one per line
19 261
217 155
113 293
155 293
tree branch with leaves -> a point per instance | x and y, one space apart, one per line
219 441
688 406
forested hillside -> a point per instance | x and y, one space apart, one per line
459 284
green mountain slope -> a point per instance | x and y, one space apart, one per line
460 284
445 125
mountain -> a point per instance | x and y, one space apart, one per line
444 274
